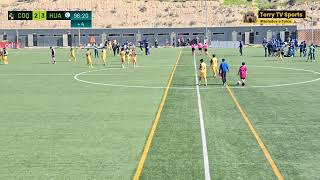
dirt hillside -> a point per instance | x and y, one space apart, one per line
144 13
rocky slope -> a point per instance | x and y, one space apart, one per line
145 13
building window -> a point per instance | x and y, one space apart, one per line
128 35
218 33
114 35
94 34
183 34
197 34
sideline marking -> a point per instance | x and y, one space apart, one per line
155 124
203 132
76 77
256 135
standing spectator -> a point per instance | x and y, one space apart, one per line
304 49
148 50
182 41
295 41
264 44
118 48
146 46
240 47
53 54
114 48
193 48
188 41
96 52
311 54
156 43
141 45
301 46
269 46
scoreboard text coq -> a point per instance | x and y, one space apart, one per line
20 15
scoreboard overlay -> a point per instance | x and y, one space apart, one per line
78 19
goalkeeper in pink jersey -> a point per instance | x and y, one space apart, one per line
243 73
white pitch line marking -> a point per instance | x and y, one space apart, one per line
76 77
203 132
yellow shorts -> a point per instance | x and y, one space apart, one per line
214 68
203 74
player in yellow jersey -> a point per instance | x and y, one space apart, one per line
5 56
72 56
203 72
128 54
89 58
110 45
134 58
280 54
104 56
122 57
214 65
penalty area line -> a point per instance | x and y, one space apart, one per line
155 123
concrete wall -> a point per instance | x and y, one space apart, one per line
54 37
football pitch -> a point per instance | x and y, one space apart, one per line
66 121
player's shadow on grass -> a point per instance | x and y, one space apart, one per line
258 56
272 60
234 85
215 84
64 61
43 63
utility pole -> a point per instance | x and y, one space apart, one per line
206 11
79 37
312 24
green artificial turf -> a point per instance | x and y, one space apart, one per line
285 118
54 127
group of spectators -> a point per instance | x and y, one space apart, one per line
276 47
